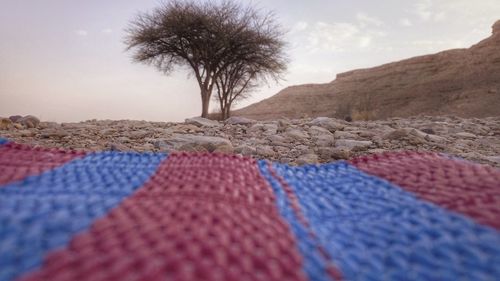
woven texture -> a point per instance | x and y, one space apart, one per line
129 216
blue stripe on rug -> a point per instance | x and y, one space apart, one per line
374 230
43 212
3 141
314 265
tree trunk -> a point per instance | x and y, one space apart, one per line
205 102
228 110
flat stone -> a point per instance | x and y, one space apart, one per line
351 144
466 135
200 143
237 120
202 122
317 131
328 123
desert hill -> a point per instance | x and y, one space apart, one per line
461 82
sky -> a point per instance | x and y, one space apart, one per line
65 60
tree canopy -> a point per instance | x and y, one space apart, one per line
210 38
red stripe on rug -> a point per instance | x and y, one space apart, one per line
200 217
460 186
18 161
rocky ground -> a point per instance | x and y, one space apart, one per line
297 141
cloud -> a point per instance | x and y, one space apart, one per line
81 32
365 20
344 36
300 26
428 10
107 30
405 22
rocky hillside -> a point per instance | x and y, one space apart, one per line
461 82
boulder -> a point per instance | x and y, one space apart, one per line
14 118
5 123
29 121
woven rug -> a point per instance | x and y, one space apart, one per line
68 215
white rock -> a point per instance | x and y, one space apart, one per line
198 143
466 135
353 144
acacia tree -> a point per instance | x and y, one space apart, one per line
207 37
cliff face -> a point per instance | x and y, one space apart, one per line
461 82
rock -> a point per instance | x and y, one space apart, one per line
429 131
29 121
296 134
324 140
265 151
351 144
317 131
18 126
466 135
162 145
245 150
339 153
336 153
307 159
117 147
494 159
410 135
202 122
139 134
267 129
435 138
236 120
53 133
344 135
5 123
200 143
496 28
278 140
15 118
328 123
